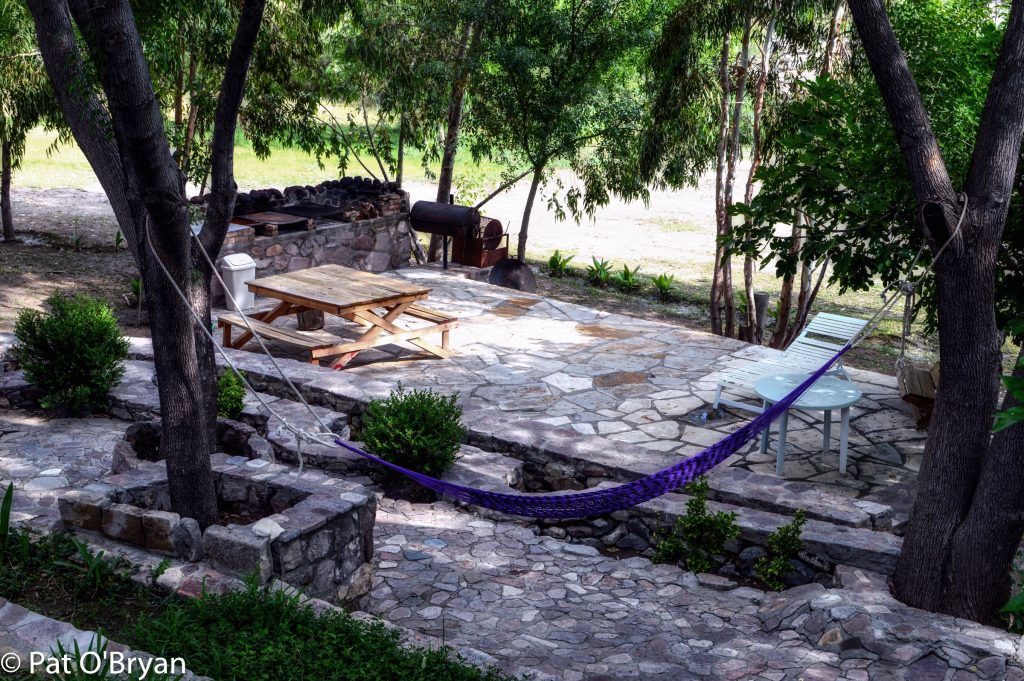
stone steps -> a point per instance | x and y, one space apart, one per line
529 440
741 487
839 544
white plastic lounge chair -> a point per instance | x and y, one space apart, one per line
825 335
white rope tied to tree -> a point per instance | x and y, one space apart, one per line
909 288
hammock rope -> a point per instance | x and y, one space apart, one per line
555 505
626 495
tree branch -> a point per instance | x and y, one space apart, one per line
989 184
504 185
86 116
932 187
232 90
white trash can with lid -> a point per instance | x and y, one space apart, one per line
237 269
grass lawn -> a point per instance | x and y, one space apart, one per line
46 167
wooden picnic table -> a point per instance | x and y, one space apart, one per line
369 300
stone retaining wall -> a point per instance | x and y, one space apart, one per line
317 539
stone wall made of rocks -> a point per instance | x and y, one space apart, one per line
316 539
375 245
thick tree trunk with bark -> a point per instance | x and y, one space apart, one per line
524 228
968 514
471 36
6 170
128 149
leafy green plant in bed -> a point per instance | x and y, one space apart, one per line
230 395
259 634
75 352
783 546
699 535
417 429
664 284
600 273
558 264
627 280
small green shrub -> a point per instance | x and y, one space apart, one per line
698 535
627 280
94 570
75 353
663 283
230 395
136 285
783 546
419 429
600 273
559 264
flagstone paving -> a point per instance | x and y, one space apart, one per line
532 602
561 370
542 375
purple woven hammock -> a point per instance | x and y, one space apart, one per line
598 502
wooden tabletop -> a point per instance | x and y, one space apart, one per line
336 289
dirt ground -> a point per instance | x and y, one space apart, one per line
67 242
45 258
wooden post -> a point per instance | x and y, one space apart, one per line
310 320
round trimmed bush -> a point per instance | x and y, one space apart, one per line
75 353
419 430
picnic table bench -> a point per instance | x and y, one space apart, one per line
370 300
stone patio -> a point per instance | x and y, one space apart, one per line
503 594
532 370
574 398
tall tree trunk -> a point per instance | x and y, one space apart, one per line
739 91
784 333
128 149
718 279
778 338
193 116
969 509
524 228
471 36
400 162
832 41
6 170
760 88
808 294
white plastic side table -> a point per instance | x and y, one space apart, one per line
827 394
